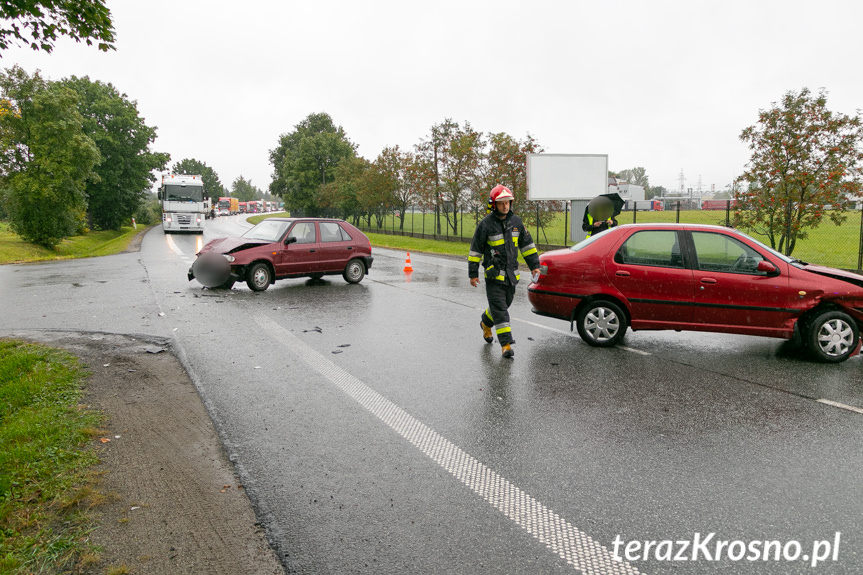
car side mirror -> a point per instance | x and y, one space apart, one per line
768 268
291 240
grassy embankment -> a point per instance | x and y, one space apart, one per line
46 484
92 244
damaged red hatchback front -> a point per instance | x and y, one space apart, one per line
279 248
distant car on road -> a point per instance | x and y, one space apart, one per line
279 248
698 278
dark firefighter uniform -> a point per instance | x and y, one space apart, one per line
496 243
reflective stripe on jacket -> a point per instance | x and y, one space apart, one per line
507 238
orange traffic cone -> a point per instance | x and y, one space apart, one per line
408 267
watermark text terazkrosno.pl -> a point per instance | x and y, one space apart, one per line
709 548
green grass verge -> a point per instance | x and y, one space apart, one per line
45 484
15 250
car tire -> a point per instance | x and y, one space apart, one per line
259 277
601 323
354 272
831 336
227 285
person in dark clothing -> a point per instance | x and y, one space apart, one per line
496 243
592 226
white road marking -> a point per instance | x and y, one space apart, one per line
574 546
633 350
840 405
173 245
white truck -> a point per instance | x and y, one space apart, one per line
184 205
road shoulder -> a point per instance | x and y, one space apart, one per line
173 501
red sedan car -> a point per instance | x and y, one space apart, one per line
278 248
701 278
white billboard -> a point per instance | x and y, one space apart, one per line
566 176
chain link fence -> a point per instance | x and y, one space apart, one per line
839 246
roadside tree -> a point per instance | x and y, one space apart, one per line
306 159
505 162
392 164
452 155
805 165
127 164
244 191
47 158
636 175
344 195
38 23
212 185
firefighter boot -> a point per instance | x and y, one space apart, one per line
506 350
486 332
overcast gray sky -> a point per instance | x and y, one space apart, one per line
668 85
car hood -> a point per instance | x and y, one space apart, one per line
230 245
834 273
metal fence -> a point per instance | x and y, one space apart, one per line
839 246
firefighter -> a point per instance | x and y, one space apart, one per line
496 242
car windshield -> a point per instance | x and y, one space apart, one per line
268 230
772 252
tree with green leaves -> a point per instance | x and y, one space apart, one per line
306 159
505 162
805 165
38 23
452 154
655 192
213 187
123 139
243 190
636 175
47 158
392 164
346 195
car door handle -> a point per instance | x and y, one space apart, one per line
350 247
622 274
310 251
708 280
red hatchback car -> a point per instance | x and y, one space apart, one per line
278 248
699 278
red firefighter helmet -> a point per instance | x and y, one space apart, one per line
497 194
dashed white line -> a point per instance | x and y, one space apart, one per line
574 546
840 405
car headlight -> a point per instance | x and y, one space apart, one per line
229 257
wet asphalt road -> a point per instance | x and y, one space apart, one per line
376 432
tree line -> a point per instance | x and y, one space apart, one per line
75 155
76 151
317 172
